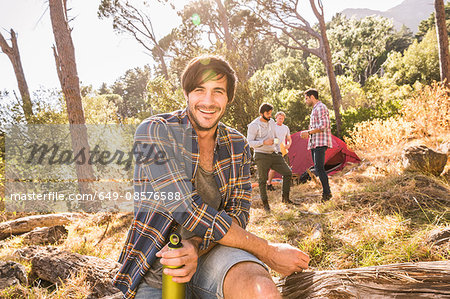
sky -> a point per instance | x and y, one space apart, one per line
101 54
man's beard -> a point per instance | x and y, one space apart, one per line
196 122
267 119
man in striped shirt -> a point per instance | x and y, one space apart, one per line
319 135
192 176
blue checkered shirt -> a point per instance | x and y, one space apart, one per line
173 172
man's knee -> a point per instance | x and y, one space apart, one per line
264 287
249 280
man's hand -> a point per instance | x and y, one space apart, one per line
185 257
304 134
286 259
268 141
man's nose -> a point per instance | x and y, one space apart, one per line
208 96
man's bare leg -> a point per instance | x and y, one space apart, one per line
249 280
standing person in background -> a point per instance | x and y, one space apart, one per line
261 136
319 135
283 134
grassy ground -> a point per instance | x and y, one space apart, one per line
378 214
374 218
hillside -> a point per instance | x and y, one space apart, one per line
409 13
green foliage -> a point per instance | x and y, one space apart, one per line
297 113
383 100
285 73
244 108
101 109
420 62
162 98
379 98
360 46
351 91
282 83
131 88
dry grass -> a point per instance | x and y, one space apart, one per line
376 217
425 115
378 214
75 287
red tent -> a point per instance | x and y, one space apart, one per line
335 158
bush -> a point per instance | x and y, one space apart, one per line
384 100
429 110
426 113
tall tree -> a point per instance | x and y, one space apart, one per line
66 67
224 19
441 31
283 16
360 46
130 19
14 56
427 24
132 90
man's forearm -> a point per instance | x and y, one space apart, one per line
237 237
282 258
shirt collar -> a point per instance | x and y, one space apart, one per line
317 104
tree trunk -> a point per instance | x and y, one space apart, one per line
160 54
14 56
334 87
441 30
406 280
226 28
70 84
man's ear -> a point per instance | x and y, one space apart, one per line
186 97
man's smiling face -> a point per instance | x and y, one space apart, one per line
207 103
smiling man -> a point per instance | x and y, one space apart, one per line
207 171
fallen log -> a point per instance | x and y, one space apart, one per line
12 273
46 235
406 280
27 224
55 266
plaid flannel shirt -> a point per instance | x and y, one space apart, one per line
320 119
153 221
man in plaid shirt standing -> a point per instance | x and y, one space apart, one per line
319 135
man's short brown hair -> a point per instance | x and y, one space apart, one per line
265 107
312 92
206 67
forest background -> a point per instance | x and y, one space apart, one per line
381 82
